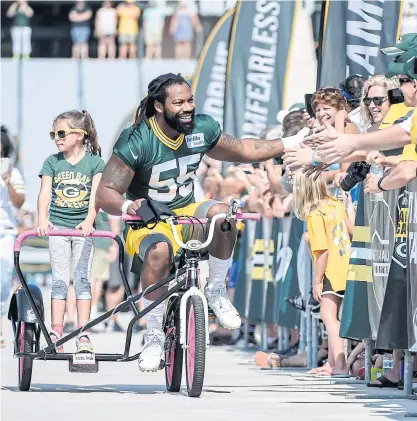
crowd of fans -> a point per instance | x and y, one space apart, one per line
116 28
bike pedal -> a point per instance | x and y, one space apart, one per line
211 314
83 362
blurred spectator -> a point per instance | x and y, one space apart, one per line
21 31
183 23
12 197
409 21
129 15
80 17
105 30
351 89
153 29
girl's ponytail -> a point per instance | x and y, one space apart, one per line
90 128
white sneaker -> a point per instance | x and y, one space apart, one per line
219 302
153 350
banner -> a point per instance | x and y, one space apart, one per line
208 83
288 316
259 53
355 316
392 332
412 266
353 33
382 224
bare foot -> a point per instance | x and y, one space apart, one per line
325 367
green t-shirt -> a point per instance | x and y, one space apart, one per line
165 168
71 187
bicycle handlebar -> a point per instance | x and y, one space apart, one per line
185 221
195 244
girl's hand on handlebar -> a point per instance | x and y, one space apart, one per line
131 210
86 227
42 228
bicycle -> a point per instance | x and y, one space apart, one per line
185 318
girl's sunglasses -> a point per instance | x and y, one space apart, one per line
377 100
62 134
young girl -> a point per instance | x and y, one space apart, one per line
69 182
329 230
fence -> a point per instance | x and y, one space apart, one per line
380 305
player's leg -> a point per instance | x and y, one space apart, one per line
153 248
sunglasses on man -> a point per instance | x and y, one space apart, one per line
403 80
62 134
377 100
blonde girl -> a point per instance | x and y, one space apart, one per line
69 182
329 229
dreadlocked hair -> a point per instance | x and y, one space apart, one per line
157 91
83 120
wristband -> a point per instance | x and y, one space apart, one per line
379 184
293 142
315 162
125 205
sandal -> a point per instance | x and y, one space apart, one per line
277 359
84 344
55 336
384 383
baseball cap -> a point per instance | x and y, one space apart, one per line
403 65
405 43
405 51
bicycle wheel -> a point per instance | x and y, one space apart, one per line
173 352
26 339
195 353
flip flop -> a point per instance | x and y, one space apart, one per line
384 383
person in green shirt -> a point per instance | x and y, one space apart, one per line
158 157
69 182
21 13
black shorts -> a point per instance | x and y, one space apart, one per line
327 288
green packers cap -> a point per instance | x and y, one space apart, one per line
404 44
405 50
403 65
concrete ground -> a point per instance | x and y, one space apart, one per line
234 390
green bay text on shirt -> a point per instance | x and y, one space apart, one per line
71 187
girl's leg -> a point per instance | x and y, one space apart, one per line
82 252
329 310
60 252
188 49
123 51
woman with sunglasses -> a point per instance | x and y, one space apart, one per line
69 183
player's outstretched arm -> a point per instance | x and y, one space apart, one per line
232 149
116 179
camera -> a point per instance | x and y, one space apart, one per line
395 96
356 173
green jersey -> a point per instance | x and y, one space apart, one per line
71 187
165 168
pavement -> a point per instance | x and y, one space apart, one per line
234 389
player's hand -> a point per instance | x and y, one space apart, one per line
134 206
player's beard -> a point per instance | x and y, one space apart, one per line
174 121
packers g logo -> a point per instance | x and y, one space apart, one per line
71 190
